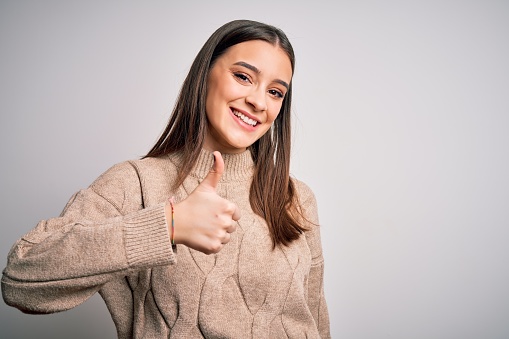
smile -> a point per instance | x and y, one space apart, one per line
244 118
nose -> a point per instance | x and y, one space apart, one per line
257 99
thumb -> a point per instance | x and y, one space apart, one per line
212 179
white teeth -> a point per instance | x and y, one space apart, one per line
247 120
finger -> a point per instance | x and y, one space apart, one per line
232 227
213 177
236 214
226 238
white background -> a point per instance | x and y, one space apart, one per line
401 128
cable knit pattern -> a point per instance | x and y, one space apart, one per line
112 238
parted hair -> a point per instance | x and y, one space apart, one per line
272 193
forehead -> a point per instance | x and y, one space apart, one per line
270 59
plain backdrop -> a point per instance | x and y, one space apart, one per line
401 128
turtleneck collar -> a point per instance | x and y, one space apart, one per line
237 167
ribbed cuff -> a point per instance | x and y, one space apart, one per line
147 238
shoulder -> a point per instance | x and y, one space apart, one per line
307 201
153 163
118 185
303 191
121 186
121 174
148 180
156 176
305 197
132 171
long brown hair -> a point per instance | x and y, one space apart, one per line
272 193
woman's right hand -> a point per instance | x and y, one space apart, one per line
204 220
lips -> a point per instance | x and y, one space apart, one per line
244 118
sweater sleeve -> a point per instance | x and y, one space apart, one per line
102 234
316 297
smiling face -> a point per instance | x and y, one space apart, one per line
245 91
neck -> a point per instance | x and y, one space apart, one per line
237 167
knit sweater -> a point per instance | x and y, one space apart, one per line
113 238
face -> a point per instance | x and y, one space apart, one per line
245 91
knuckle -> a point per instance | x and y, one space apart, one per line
230 208
219 234
216 247
231 228
222 225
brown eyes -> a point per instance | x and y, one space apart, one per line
244 78
276 93
241 76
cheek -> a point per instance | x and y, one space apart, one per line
273 112
214 91
221 93
209 99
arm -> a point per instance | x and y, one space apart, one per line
102 234
316 298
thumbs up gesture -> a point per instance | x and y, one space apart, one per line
204 220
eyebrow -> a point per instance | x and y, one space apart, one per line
256 70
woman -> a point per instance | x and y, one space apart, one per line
206 236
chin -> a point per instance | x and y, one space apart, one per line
240 144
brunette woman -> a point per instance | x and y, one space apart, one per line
207 236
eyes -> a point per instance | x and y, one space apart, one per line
244 78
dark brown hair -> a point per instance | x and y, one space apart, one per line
272 193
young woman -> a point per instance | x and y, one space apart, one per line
207 236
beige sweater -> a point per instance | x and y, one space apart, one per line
112 238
